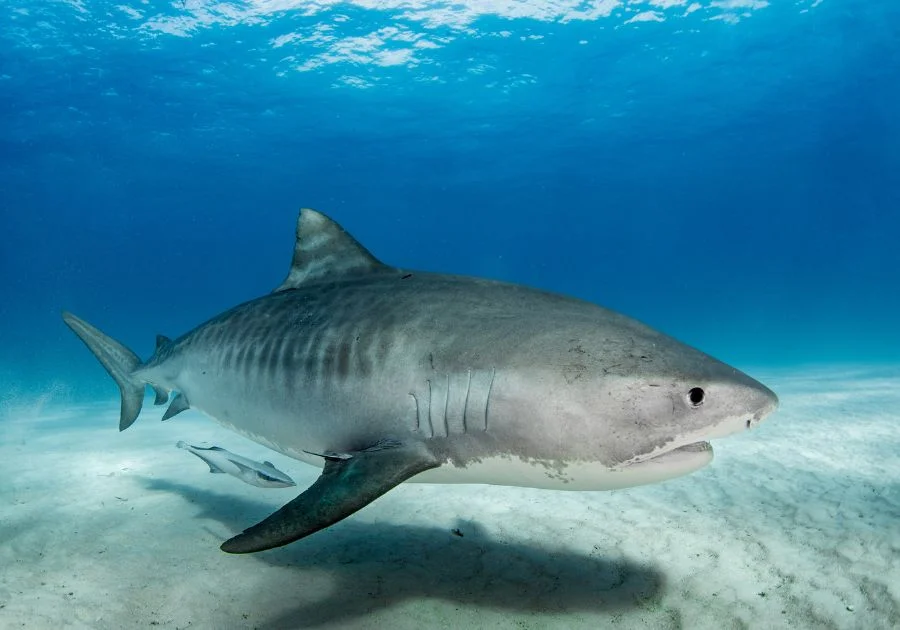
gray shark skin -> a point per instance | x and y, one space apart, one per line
382 375
259 474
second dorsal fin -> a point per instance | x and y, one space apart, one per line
324 249
161 342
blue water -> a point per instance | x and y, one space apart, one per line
726 171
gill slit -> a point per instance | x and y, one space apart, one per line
465 426
487 402
446 404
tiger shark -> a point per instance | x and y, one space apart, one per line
381 375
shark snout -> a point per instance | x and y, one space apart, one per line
751 403
765 403
745 404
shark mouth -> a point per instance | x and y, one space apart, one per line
677 461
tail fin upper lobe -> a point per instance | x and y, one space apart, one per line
119 361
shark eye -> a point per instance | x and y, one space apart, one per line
696 396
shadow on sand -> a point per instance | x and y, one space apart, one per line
373 566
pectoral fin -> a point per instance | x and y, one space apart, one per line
345 486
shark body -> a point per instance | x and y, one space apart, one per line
381 375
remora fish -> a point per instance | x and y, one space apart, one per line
262 474
381 375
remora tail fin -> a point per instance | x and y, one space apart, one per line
118 360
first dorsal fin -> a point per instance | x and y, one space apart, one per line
322 249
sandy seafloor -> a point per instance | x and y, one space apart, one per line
795 524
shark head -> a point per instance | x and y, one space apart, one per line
677 411
629 405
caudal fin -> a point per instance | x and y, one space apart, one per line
118 360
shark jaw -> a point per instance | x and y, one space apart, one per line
693 451
671 463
